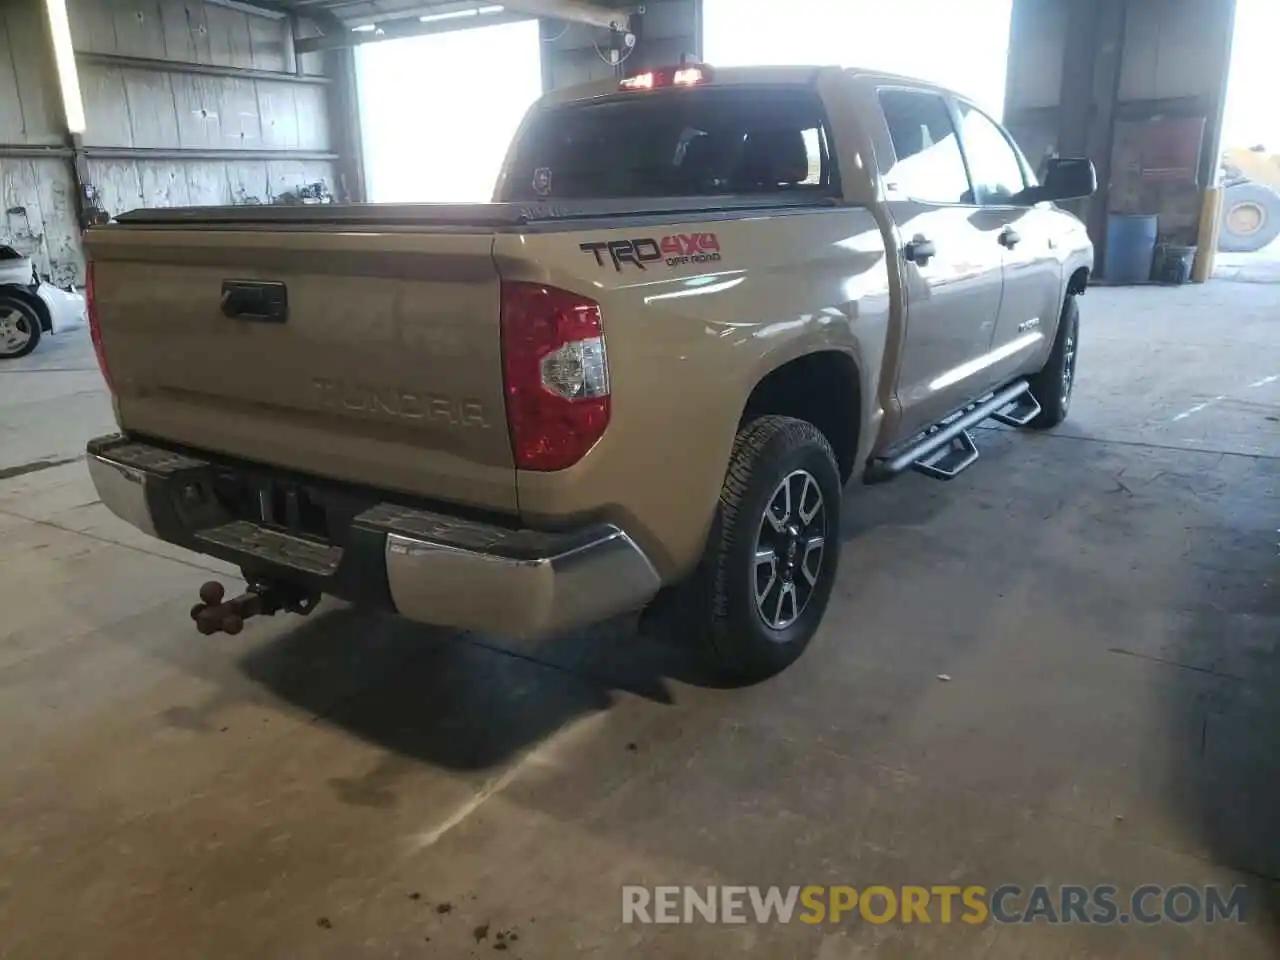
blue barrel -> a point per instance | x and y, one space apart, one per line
1131 244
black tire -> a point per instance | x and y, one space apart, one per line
726 611
1053 385
1250 218
19 326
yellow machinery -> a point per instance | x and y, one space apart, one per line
1250 200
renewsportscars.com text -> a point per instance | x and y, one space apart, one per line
942 903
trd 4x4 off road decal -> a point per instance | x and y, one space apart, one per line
675 251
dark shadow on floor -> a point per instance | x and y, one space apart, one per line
458 701
1227 682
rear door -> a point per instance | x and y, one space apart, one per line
1024 235
953 296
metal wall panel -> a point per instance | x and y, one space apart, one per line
129 107
1173 49
188 32
154 103
30 110
125 185
1036 33
37 216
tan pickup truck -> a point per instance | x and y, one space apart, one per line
702 302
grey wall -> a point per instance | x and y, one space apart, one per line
1086 75
185 103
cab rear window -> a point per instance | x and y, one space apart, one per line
707 141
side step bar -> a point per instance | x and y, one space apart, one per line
1019 413
947 450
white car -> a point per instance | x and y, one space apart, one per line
30 307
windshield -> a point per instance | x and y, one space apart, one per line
705 141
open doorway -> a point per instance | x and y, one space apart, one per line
437 112
963 46
1249 242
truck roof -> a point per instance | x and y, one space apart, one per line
799 75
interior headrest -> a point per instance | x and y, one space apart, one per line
773 157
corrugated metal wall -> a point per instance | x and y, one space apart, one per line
186 103
37 194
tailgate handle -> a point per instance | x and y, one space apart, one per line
262 301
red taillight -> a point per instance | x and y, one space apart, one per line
95 329
556 375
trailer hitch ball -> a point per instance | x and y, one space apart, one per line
214 614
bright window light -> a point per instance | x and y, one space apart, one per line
1251 115
961 45
65 60
438 111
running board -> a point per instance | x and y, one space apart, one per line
1019 413
950 461
941 452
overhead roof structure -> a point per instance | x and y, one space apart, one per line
350 22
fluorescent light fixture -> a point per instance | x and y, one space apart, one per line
365 28
460 14
64 57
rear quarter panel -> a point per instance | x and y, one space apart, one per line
688 341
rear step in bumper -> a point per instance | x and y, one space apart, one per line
426 566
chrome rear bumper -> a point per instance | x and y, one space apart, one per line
427 566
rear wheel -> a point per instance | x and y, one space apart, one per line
1053 385
771 560
19 327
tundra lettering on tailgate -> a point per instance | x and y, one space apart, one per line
675 250
397 403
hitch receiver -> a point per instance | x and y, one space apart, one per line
214 615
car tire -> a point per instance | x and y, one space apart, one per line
1053 385
781 496
19 326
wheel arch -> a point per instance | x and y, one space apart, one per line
823 387
26 296
1078 282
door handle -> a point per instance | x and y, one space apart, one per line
920 250
1010 237
255 300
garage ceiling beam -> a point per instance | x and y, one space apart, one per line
399 29
262 8
572 11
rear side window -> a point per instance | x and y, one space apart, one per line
706 141
930 166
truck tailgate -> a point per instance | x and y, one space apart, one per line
362 354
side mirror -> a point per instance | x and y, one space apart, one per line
1068 178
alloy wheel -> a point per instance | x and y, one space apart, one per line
15 331
790 549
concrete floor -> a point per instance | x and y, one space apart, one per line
1104 600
